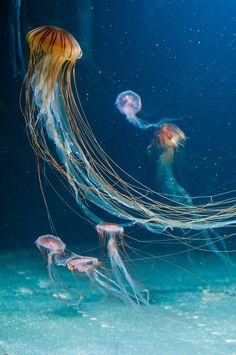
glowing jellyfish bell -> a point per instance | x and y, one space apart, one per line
128 103
169 136
50 244
82 264
106 230
54 41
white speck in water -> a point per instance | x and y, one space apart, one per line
25 291
107 326
230 341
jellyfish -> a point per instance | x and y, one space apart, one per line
93 268
113 234
168 139
129 104
50 245
16 52
60 134
54 249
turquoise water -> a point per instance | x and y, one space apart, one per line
191 311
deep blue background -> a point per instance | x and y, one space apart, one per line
178 55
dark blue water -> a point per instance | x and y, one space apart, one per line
179 56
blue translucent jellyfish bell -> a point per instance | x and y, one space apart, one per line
128 103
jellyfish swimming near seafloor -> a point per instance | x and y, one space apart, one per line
112 234
54 249
50 246
60 134
167 141
129 103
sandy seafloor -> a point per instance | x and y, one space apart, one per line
191 312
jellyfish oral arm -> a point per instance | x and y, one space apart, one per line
119 271
166 180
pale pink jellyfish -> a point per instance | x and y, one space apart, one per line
129 103
50 246
113 234
58 256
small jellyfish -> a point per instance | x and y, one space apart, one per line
166 142
169 136
58 256
129 103
50 247
113 234
82 263
93 268
50 244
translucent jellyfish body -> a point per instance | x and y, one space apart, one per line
165 144
129 103
113 235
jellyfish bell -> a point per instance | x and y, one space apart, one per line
82 264
169 136
128 103
110 231
105 229
50 244
54 41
